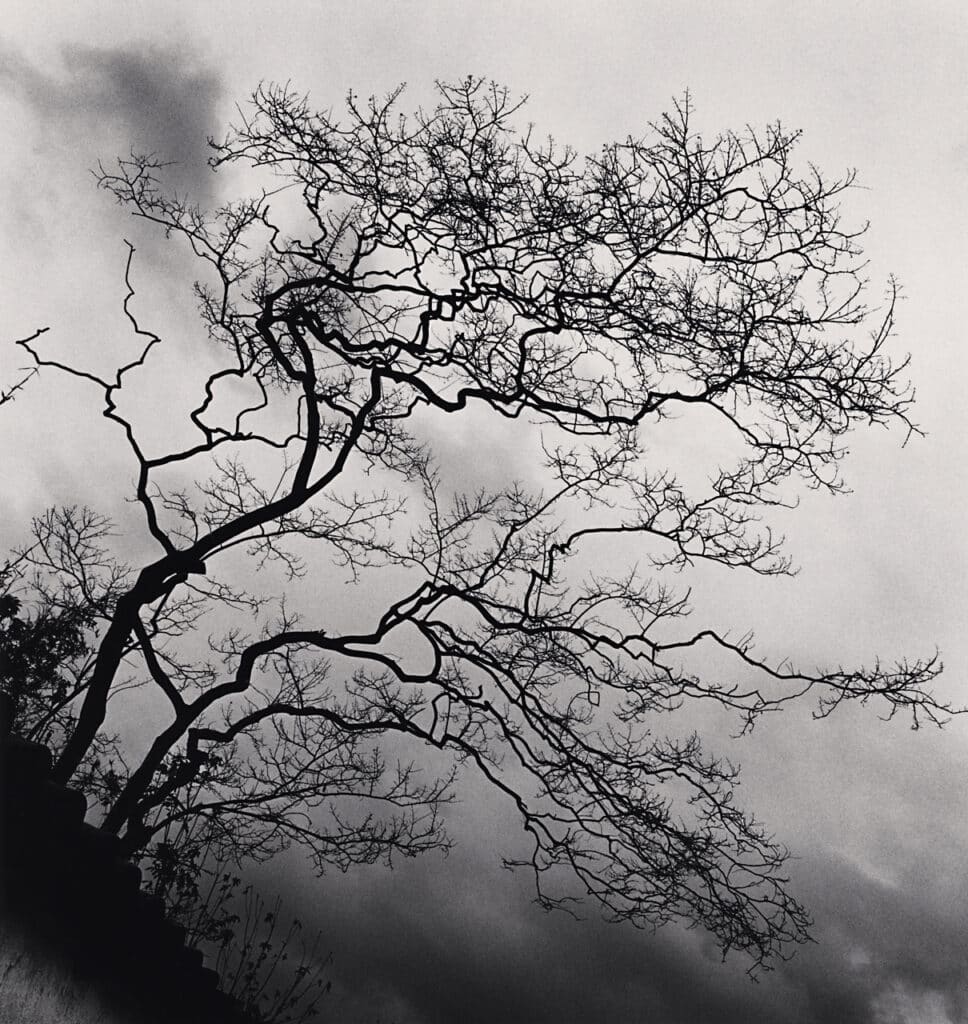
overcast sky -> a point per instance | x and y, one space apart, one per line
875 813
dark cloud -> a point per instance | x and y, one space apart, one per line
441 940
110 101
457 939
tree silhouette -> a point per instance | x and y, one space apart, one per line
46 656
393 276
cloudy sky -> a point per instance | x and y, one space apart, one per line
875 813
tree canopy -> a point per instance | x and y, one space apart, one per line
390 273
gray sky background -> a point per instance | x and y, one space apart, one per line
875 813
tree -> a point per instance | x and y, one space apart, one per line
391 275
265 965
45 657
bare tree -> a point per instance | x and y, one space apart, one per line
394 272
46 651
